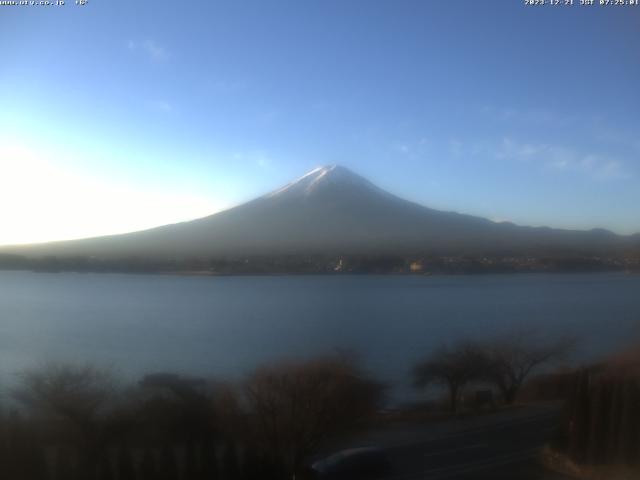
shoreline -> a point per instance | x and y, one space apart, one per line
206 273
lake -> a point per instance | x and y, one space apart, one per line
225 326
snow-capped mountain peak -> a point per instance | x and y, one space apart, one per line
325 177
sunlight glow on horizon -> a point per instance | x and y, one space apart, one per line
43 200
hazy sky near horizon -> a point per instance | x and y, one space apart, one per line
118 116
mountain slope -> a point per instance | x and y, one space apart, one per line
332 210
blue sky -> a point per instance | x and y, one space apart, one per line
120 115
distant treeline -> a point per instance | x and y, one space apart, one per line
322 264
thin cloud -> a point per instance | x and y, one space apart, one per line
258 158
538 116
414 149
221 86
150 49
564 159
268 117
160 106
456 148
402 148
624 139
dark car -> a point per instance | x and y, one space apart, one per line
354 464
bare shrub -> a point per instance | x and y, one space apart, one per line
452 366
293 407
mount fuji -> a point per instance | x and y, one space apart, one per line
332 210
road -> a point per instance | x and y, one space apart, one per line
501 446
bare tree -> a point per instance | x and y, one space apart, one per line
295 406
74 393
510 359
451 366
76 399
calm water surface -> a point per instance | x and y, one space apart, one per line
224 326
